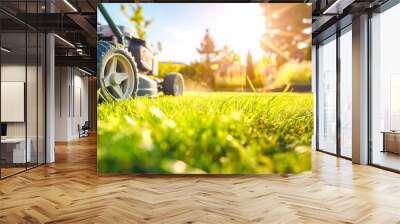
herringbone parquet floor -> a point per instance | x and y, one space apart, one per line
70 191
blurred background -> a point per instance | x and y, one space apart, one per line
226 47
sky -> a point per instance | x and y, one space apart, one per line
180 27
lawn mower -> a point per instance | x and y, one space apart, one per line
127 67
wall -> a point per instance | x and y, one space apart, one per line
80 109
62 82
71 102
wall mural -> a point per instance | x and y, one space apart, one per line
186 93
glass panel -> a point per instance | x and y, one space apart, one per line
14 153
13 87
346 94
385 86
23 87
32 98
41 99
314 90
32 85
327 97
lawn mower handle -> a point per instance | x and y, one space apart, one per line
117 32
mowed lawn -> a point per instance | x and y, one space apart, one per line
226 133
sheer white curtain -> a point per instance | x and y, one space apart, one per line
346 93
327 96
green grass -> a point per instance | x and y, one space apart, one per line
226 133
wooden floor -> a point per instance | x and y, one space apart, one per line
5 172
70 191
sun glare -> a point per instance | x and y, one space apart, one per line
241 27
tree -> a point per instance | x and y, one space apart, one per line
227 55
227 59
265 68
288 31
249 71
207 47
137 18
